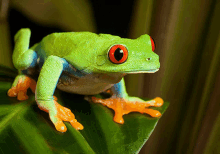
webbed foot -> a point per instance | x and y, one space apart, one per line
20 86
60 114
122 106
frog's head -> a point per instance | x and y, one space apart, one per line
126 55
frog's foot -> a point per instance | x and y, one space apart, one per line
19 88
122 106
63 114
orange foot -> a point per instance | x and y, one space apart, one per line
20 89
122 107
63 114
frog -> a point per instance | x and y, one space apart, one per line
83 63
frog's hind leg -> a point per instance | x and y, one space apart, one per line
24 59
20 86
23 56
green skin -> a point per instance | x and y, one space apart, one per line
88 52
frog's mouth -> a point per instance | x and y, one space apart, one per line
147 71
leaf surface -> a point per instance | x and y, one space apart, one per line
24 128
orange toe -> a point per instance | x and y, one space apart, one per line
119 120
65 114
12 92
158 102
60 126
122 107
152 113
76 125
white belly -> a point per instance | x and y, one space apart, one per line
90 84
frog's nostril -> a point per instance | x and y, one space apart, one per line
148 59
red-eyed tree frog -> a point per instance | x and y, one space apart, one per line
83 63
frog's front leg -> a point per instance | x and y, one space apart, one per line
46 85
123 104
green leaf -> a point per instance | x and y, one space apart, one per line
71 15
24 128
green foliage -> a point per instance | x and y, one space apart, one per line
72 15
26 129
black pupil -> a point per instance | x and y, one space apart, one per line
118 54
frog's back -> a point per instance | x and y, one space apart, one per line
62 44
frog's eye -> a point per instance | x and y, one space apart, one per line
152 44
118 54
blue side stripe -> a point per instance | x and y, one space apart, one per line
119 89
72 70
34 62
39 60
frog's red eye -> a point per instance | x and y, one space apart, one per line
152 44
118 54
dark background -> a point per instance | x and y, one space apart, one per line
111 17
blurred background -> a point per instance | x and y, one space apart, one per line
187 36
